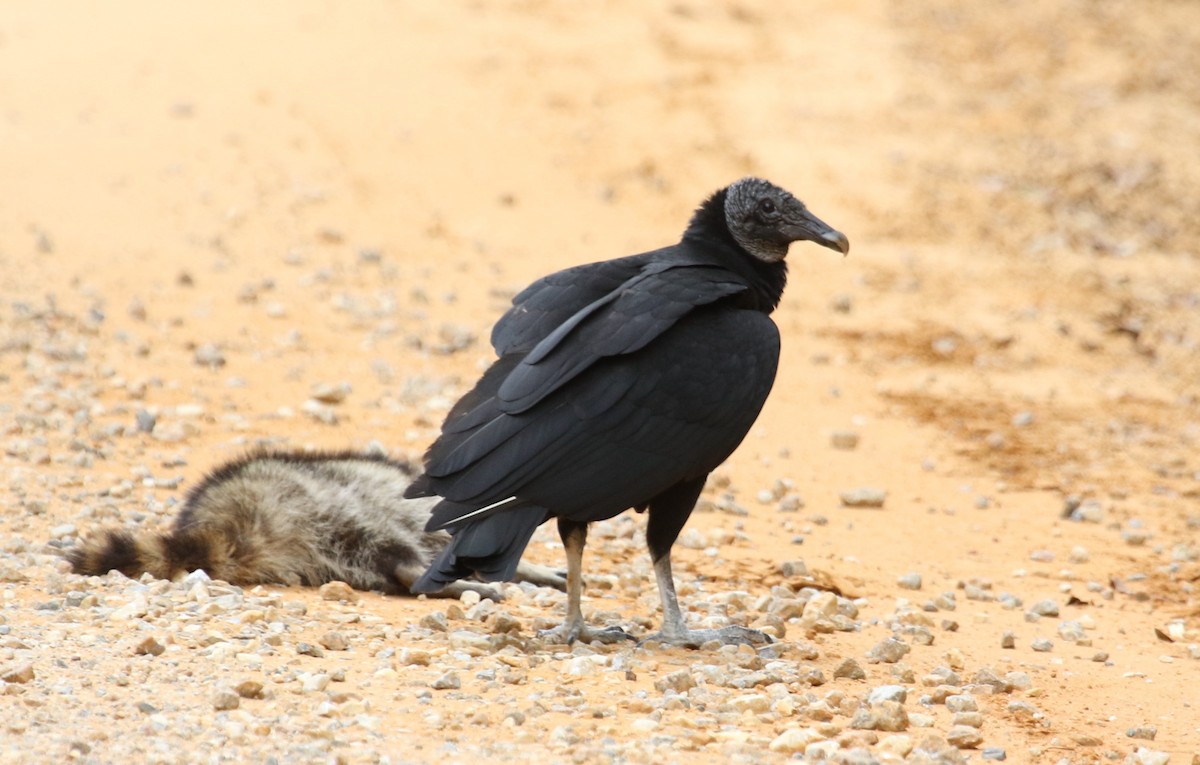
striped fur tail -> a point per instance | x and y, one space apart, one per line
163 556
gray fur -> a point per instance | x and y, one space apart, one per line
297 519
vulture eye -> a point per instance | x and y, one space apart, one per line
766 207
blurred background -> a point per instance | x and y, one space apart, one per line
294 222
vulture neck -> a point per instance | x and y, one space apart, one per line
709 232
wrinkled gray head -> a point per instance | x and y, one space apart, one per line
764 219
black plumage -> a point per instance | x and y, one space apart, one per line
619 384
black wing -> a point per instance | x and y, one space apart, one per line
542 306
624 429
621 322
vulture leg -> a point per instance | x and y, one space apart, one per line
574 537
669 511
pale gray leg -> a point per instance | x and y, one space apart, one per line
674 628
574 537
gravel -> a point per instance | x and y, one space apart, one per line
864 497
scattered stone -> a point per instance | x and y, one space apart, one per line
225 699
249 689
886 716
314 683
864 497
308 649
145 421
888 651
1144 732
849 669
209 355
846 440
21 673
1042 645
679 682
335 641
792 568
339 591
897 745
448 681
1073 632
1135 537
888 693
994 753
319 412
327 393
987 676
149 647
961 703
964 737
795 740
1008 640
909 582
1045 608
1144 756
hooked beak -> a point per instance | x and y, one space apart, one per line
804 226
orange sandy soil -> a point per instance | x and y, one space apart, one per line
350 192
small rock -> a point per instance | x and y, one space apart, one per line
791 568
319 412
314 683
846 440
209 355
435 621
21 673
888 693
1045 608
987 676
679 682
964 737
909 582
888 651
331 394
225 699
145 421
249 689
1144 756
850 669
795 740
886 716
994 753
1072 632
757 703
1144 732
335 641
308 649
1042 645
961 703
338 591
971 719
897 744
1008 640
1135 537
149 647
448 681
863 497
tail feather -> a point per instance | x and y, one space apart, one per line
489 549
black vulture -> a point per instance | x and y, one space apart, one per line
619 384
